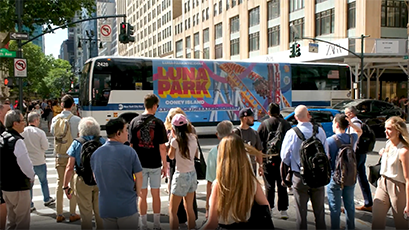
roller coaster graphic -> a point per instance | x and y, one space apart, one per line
232 75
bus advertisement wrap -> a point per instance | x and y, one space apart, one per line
211 91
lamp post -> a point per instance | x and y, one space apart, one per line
89 40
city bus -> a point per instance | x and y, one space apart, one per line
209 91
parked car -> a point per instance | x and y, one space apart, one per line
322 116
373 112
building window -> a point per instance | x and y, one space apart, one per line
296 5
218 50
206 35
273 36
227 4
254 16
206 53
233 3
234 24
254 41
220 7
188 45
297 29
235 47
273 9
215 9
319 1
197 54
394 14
207 13
218 31
203 16
240 2
351 15
324 22
194 20
196 39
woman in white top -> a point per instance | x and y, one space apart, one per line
393 186
235 188
183 148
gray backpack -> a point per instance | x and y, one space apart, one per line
345 164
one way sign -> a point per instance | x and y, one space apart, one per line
18 36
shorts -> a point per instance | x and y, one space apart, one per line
184 183
2 201
154 177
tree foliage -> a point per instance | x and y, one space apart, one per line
42 12
46 76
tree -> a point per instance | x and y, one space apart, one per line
42 12
46 76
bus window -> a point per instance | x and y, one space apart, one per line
101 89
84 89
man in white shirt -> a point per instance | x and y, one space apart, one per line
16 172
351 113
37 143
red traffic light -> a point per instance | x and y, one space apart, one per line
298 45
123 26
6 81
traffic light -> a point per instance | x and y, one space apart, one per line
297 50
129 32
292 50
8 82
123 38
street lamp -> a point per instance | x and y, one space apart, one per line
89 40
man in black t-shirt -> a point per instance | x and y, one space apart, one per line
272 164
147 135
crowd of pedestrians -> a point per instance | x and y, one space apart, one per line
109 178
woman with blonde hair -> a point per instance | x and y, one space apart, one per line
393 185
236 187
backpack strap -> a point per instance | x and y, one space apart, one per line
299 133
315 129
80 140
337 141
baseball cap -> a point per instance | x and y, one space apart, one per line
179 120
246 112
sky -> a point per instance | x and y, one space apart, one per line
54 40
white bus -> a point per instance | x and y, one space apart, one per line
209 91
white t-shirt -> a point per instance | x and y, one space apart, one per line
183 164
358 123
37 143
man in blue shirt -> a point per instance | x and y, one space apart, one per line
290 155
87 196
115 166
334 190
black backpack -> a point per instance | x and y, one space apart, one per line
366 142
275 140
345 164
84 170
315 168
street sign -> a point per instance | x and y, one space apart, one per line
7 54
20 67
18 36
313 47
106 31
406 57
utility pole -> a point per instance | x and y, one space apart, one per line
19 54
362 66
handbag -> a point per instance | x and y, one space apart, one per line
374 173
200 164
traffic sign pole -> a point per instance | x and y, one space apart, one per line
19 9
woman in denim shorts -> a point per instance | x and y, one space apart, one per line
183 148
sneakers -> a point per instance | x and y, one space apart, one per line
60 218
284 215
32 209
183 226
74 217
49 202
364 208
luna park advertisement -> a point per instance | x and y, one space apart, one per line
213 91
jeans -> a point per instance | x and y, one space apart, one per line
335 193
41 172
363 180
272 177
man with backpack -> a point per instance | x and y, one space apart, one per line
80 153
251 137
365 144
303 143
64 127
343 171
271 132
147 136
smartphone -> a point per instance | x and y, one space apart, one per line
405 215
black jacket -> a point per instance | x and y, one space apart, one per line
11 177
